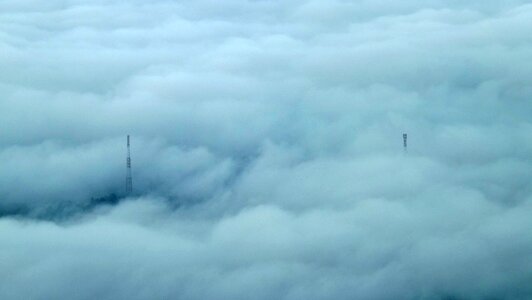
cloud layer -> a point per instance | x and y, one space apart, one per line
267 149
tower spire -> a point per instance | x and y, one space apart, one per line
129 180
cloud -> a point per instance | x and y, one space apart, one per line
267 149
463 246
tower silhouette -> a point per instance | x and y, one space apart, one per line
405 136
129 179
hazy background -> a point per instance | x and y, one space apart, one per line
266 149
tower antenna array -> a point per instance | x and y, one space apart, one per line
129 180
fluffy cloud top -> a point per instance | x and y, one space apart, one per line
267 149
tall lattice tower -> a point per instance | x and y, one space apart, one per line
129 179
405 136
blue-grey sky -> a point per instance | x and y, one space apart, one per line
267 149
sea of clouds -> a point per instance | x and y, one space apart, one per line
267 149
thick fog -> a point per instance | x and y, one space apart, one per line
267 149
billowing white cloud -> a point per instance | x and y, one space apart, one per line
267 149
457 246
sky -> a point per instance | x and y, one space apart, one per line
267 149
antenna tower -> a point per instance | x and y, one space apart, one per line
129 180
405 136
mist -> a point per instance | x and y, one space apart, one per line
267 149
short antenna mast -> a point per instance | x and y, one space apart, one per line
129 179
